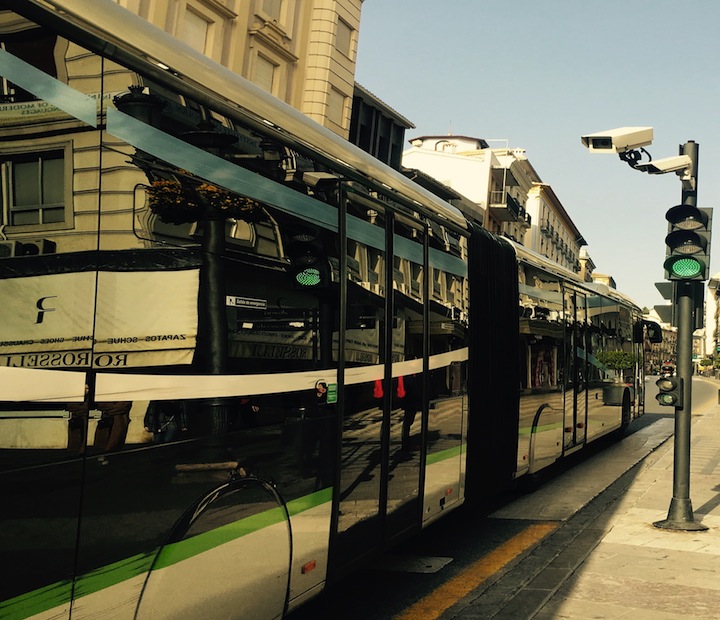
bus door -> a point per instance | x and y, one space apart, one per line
576 401
407 408
380 459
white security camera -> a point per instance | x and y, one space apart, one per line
677 164
618 140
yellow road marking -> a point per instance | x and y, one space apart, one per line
435 603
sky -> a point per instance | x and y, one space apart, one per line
540 74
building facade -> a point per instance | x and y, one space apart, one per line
376 128
510 198
302 51
492 180
553 233
662 353
712 317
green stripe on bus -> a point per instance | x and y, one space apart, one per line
184 549
443 455
112 574
37 601
55 595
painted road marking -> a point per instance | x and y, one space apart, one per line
434 604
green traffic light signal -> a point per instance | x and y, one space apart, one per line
309 277
684 267
309 264
688 243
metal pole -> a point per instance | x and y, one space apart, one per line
680 514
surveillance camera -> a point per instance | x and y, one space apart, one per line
320 181
678 164
618 140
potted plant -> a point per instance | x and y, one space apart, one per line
177 203
618 361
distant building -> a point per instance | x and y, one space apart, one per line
553 233
492 181
376 128
661 353
712 316
604 279
587 266
506 192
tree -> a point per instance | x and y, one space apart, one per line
618 361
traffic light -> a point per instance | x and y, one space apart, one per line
688 243
308 264
670 391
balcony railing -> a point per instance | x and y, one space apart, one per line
504 207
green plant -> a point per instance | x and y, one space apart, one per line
618 360
177 203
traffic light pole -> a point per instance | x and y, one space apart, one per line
680 514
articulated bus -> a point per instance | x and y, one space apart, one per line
238 356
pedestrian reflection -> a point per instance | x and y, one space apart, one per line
166 419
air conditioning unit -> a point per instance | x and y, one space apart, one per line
34 247
10 248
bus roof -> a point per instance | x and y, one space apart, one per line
116 33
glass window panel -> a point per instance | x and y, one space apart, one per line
53 216
542 358
25 184
22 218
34 46
364 347
52 181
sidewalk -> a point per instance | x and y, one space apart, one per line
639 571
607 560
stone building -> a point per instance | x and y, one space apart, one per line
509 196
301 51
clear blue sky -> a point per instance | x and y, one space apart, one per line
542 73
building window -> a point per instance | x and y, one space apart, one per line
279 13
195 31
264 73
344 38
272 9
336 107
35 47
34 188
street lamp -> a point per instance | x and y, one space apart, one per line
686 266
